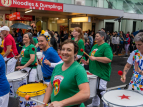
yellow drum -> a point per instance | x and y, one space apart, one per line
35 90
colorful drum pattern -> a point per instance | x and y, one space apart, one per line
35 90
16 79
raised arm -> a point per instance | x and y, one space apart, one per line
125 71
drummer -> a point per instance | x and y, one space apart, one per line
79 39
49 55
28 57
100 65
4 85
9 43
135 59
69 84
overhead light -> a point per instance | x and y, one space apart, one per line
57 18
81 19
28 11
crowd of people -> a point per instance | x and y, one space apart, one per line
62 59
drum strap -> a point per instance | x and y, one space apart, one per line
99 90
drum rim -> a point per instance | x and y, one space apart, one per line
122 105
11 80
27 93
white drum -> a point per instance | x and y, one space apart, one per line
16 79
39 55
35 91
123 98
92 83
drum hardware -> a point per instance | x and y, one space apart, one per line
16 79
35 91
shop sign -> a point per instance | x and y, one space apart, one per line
33 4
22 18
14 16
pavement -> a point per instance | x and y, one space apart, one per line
117 64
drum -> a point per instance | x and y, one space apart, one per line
39 55
35 90
16 79
123 98
92 83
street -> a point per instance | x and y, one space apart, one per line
118 63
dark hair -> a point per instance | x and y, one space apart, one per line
72 42
103 29
51 33
30 35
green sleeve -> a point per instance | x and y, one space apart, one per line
81 46
35 41
108 53
80 75
30 49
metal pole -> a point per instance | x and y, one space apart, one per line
119 26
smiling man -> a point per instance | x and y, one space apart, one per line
135 59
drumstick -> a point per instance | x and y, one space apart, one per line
121 74
80 59
27 97
84 52
12 52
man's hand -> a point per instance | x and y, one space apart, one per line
137 69
123 79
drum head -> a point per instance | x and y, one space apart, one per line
126 98
17 75
34 89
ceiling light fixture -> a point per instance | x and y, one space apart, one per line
28 11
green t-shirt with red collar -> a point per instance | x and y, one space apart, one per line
65 83
102 70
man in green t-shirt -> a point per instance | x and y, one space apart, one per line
100 65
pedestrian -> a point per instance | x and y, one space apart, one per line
28 57
87 48
127 44
99 63
121 43
9 44
53 41
132 43
135 59
49 55
59 90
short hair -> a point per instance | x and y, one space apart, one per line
72 42
139 37
103 29
102 34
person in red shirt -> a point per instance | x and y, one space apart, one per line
9 43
